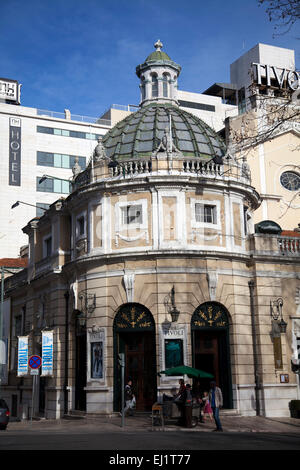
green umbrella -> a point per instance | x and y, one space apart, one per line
186 370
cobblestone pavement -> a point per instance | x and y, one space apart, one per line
143 422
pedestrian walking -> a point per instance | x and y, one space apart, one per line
188 404
197 394
129 399
180 401
216 402
207 410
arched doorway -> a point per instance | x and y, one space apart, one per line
134 335
211 349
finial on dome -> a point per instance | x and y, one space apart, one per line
158 45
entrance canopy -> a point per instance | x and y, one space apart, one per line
186 370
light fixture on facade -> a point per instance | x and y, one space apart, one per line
88 305
276 314
170 305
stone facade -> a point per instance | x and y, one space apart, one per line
135 243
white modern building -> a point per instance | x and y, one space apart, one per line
34 143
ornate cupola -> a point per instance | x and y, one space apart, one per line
158 75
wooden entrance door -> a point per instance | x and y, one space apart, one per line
140 367
81 366
207 356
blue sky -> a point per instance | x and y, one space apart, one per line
81 55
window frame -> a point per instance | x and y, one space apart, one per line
120 225
78 234
290 172
216 224
46 239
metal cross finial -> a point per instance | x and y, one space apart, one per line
158 45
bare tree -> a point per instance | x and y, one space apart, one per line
284 13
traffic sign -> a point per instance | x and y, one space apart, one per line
35 362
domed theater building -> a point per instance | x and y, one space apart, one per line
154 255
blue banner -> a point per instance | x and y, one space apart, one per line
47 353
22 355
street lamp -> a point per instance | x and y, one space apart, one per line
44 177
17 203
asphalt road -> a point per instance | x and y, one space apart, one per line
142 441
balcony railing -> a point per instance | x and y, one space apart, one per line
289 245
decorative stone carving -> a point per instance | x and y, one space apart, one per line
99 152
166 144
212 279
128 280
76 169
74 290
81 245
245 168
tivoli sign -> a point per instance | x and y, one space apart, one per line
291 77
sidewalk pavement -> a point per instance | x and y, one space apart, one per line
143 422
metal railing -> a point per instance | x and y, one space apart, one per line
73 117
67 115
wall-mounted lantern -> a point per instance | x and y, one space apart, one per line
276 314
88 305
170 305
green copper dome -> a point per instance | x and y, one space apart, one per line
158 55
140 133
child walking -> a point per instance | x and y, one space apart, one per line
207 408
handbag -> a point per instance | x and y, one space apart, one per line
133 402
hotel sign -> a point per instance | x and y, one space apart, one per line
9 90
15 152
280 77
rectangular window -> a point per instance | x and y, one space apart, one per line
45 130
57 160
18 325
44 159
132 215
80 226
67 133
44 186
206 213
190 104
173 353
65 161
53 185
40 206
47 247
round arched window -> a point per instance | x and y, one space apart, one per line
290 180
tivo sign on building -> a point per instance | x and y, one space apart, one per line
9 91
276 77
